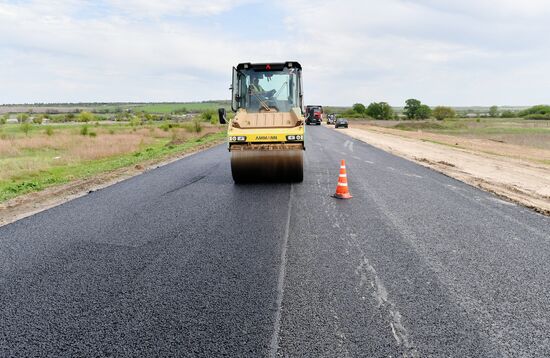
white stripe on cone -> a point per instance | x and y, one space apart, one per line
343 175
342 184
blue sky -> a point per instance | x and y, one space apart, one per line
472 52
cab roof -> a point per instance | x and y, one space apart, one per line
275 66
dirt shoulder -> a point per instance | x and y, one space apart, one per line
35 202
517 173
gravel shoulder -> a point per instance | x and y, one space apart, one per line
516 173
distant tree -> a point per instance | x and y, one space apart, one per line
69 117
4 118
22 117
181 110
38 119
359 108
423 112
85 117
493 112
536 112
411 108
25 127
441 112
207 115
508 114
380 110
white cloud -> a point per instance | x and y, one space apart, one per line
148 8
443 52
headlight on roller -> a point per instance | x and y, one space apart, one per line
294 137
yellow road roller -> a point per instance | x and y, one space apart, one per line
266 136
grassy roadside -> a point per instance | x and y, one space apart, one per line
520 139
163 108
515 131
36 161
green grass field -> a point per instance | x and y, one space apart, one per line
162 108
36 160
153 108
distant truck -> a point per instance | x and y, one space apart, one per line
319 108
314 114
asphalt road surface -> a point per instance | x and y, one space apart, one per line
180 261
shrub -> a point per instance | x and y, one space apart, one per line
194 126
207 115
493 111
3 119
424 112
351 114
441 112
22 117
536 110
197 126
358 108
135 121
38 119
508 114
380 110
537 116
84 130
92 134
26 127
49 131
181 110
85 117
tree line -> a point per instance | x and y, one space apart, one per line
414 109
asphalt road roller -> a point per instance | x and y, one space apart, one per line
266 137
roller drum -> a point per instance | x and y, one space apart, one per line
267 166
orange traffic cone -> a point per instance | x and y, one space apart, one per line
342 191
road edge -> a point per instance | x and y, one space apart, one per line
35 202
472 180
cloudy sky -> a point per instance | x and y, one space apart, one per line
469 52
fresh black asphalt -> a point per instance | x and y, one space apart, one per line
180 261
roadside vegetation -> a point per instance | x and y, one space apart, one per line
414 109
34 156
527 127
527 133
109 110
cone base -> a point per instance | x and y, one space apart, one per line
343 196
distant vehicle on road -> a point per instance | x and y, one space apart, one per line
316 106
314 116
341 123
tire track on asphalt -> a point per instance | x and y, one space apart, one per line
274 346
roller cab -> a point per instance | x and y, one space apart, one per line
266 137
